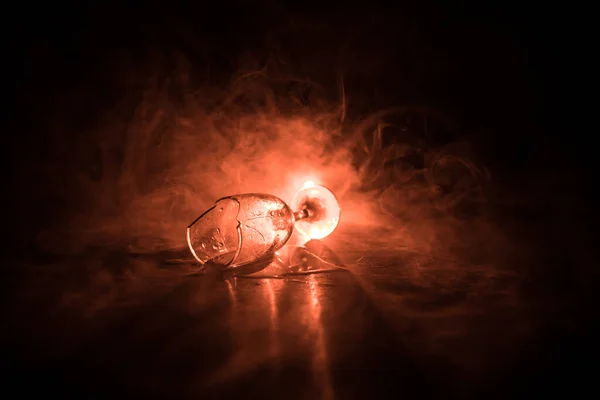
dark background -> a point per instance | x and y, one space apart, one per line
497 68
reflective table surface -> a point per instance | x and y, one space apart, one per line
402 324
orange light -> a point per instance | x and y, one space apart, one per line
309 183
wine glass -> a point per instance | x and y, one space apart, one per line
245 228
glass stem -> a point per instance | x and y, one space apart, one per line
302 214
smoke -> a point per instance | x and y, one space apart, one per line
178 134
181 146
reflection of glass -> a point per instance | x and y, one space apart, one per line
312 258
245 228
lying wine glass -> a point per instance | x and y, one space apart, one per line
246 228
